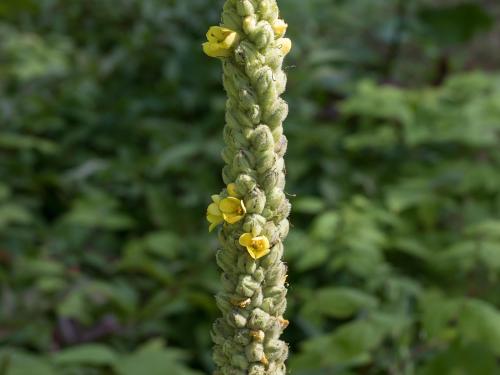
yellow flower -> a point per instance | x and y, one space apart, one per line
285 45
257 247
214 216
220 41
233 209
279 27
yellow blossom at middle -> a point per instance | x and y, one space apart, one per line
220 41
257 247
233 209
214 215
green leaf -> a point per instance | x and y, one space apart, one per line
90 354
99 210
74 305
339 302
325 225
153 359
461 360
317 254
480 323
439 316
11 213
163 243
21 142
350 344
21 363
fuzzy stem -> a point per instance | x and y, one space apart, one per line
253 301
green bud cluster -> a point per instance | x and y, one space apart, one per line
253 297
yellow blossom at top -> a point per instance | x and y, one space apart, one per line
233 209
214 215
220 41
257 247
279 27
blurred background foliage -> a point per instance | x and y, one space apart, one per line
110 133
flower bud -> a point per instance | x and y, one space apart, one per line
247 286
274 58
223 304
256 369
283 210
274 255
259 320
276 274
247 98
250 266
236 319
280 307
242 163
254 352
227 154
227 283
263 34
239 361
270 179
245 183
262 138
281 146
254 114
268 10
218 356
265 160
257 298
255 201
244 8
276 114
259 274
274 198
264 80
277 134
270 231
225 261
253 224
220 328
281 80
243 337
227 174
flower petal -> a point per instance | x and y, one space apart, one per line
262 242
246 239
231 189
229 41
229 205
243 208
279 28
231 218
216 219
213 209
256 253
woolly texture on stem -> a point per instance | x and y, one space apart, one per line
252 209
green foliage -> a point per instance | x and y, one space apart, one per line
152 358
111 132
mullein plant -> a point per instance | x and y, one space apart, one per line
252 210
